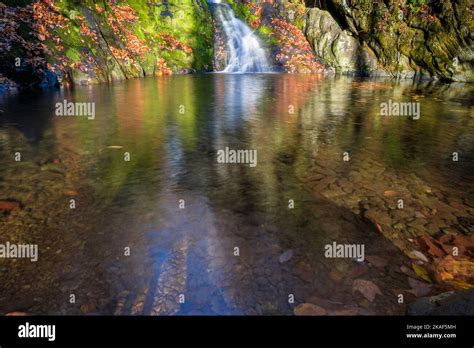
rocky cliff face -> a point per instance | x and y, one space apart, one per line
402 38
96 41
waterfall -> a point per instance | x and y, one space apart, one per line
245 54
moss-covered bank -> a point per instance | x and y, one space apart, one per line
96 41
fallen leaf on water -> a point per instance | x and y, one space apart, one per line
407 271
390 193
286 256
114 147
415 254
366 288
309 309
8 205
421 272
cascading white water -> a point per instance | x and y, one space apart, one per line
246 55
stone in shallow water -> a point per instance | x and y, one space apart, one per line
448 303
286 256
309 309
366 288
377 261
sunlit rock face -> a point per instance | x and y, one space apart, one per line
430 39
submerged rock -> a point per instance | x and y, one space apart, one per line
286 256
402 39
448 303
309 309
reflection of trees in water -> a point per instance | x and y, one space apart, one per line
173 157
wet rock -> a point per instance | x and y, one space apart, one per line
286 256
419 288
88 308
336 46
345 311
377 261
366 288
420 215
364 303
358 270
432 248
402 53
309 309
448 303
336 277
16 314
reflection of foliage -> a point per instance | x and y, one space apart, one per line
104 40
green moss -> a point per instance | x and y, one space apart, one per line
415 5
266 34
73 55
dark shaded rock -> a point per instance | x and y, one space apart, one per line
448 303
